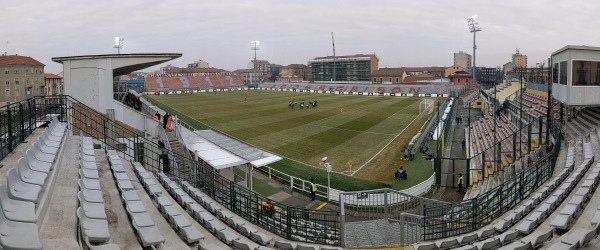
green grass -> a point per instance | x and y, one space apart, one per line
343 128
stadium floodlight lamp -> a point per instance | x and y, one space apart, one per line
118 44
255 45
473 24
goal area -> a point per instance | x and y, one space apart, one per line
426 106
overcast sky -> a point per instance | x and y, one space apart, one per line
401 33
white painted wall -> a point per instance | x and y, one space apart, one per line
135 119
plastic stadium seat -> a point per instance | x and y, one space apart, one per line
19 190
95 229
16 210
227 236
91 210
149 236
491 243
35 164
29 176
243 244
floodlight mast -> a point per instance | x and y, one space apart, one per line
118 44
254 45
473 28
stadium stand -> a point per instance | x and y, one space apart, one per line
175 83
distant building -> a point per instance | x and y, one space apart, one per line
487 76
198 64
262 65
53 84
23 77
453 69
519 60
461 78
174 70
388 75
431 71
250 76
464 60
507 68
347 68
293 73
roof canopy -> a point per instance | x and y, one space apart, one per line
254 156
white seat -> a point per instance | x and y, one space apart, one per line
91 165
84 157
130 195
16 210
149 236
135 207
467 238
142 219
536 239
446 243
243 244
191 234
580 237
261 238
124 185
18 235
89 174
95 229
508 236
35 164
93 196
89 184
491 243
91 210
48 143
121 176
40 155
179 221
29 176
19 190
286 245
227 236
117 168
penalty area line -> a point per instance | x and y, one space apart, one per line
385 146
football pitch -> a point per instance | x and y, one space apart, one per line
368 131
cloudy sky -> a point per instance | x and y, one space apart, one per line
400 32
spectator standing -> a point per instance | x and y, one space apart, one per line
405 153
165 119
313 190
460 183
463 144
413 151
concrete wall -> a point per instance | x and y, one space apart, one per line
135 119
90 82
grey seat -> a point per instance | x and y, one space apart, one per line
446 243
35 164
526 226
40 155
301 246
93 196
286 245
88 164
29 176
91 210
89 174
16 210
154 190
48 142
210 246
18 235
101 247
467 238
562 221
261 238
536 239
95 229
19 190
179 221
149 236
485 233
89 184
517 245
170 211
121 176
561 246
227 236
124 185
242 244
142 219
247 229
502 224
508 236
191 234
214 225
117 168
130 195
596 218
580 237
467 247
490 243
135 207
84 157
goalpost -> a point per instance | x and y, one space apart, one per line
426 106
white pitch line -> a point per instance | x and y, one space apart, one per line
385 146
351 130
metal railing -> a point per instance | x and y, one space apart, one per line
293 223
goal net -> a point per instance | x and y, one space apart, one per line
426 106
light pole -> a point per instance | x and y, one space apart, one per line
328 168
254 45
474 27
118 44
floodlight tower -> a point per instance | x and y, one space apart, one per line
254 45
474 27
118 44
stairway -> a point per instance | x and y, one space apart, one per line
184 166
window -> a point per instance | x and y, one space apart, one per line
7 83
555 73
16 71
562 75
6 71
585 73
17 81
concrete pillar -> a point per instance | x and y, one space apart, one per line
109 129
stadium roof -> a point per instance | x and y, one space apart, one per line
215 156
254 156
